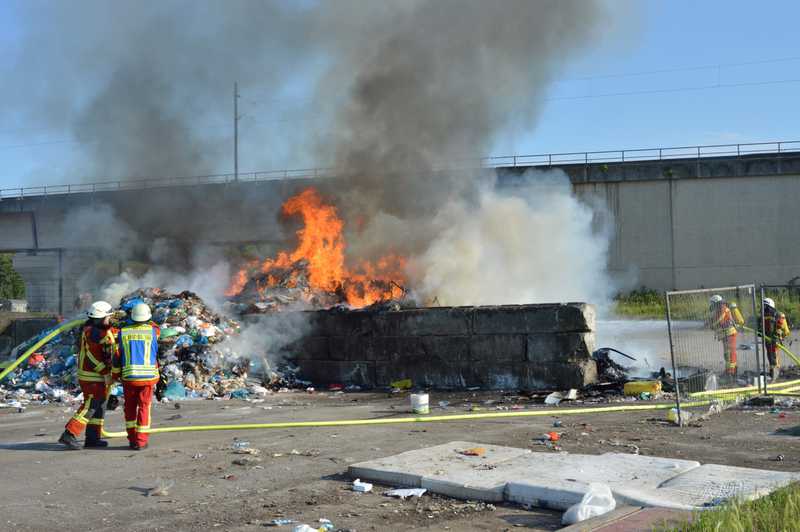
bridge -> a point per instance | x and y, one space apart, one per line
684 217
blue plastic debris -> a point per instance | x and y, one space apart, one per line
30 375
130 303
241 393
184 340
175 390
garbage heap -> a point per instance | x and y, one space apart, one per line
195 359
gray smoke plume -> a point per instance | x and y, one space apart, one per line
146 88
433 83
399 90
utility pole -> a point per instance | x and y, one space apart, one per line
235 131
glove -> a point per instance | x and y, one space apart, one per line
112 403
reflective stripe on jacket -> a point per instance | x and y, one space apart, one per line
138 353
94 356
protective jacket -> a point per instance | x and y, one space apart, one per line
775 326
97 348
137 360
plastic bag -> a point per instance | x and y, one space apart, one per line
597 501
553 399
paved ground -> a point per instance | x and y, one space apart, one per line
300 472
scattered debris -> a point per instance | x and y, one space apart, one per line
404 493
597 501
161 489
553 399
246 461
635 388
404 384
474 451
281 522
361 487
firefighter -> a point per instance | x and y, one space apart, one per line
136 365
775 331
724 326
96 348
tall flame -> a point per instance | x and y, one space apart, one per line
321 250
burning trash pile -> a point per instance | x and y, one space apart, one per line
315 274
194 357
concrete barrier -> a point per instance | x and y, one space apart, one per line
500 347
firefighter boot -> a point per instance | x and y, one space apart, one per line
70 441
93 437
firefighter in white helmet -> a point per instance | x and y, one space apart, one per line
776 329
96 349
136 366
723 324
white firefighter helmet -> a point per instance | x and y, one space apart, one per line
715 300
100 309
141 313
768 302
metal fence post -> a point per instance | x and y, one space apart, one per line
764 357
60 282
672 356
759 370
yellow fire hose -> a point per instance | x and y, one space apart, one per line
788 386
746 390
782 347
31 350
420 419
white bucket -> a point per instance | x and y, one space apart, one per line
419 403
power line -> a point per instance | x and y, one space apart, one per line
676 89
552 98
684 69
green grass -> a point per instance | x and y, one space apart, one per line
779 511
641 304
649 304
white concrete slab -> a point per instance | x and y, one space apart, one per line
557 481
407 469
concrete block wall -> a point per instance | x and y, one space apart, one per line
500 347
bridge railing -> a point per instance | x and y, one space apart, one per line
503 161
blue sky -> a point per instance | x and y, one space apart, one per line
670 73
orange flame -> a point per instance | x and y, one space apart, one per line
321 245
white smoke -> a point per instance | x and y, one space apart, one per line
535 243
208 283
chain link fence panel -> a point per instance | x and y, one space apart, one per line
713 341
780 345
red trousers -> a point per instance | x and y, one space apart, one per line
772 354
138 399
729 351
91 412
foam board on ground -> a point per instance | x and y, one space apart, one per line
711 484
407 469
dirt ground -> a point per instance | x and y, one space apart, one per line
300 473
